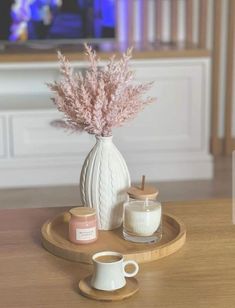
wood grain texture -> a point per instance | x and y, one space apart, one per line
149 53
203 14
174 21
129 290
32 277
143 193
144 22
117 17
216 77
158 19
55 240
130 21
189 20
230 78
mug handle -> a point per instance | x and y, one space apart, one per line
125 263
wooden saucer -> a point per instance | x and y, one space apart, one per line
130 289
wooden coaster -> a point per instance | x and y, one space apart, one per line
55 239
130 289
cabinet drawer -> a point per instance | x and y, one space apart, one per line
2 137
33 135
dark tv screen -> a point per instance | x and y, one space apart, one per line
25 20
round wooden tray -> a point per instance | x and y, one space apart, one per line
55 240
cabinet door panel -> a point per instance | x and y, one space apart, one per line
33 135
177 120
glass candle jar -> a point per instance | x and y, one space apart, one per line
82 225
142 221
142 215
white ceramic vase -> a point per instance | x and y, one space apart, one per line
103 183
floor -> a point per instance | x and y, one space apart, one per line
219 187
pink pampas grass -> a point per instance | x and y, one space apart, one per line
101 99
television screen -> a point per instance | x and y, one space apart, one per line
23 20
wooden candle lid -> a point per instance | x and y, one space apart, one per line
82 211
143 192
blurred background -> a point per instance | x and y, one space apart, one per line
23 20
183 144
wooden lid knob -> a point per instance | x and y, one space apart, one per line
143 192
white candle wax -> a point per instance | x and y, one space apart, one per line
141 218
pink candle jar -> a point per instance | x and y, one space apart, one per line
82 225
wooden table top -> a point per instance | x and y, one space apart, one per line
104 50
201 274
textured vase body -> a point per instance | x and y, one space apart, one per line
103 183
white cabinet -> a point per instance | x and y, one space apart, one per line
178 120
169 140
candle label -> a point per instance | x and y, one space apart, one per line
85 234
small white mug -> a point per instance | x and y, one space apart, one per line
109 271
